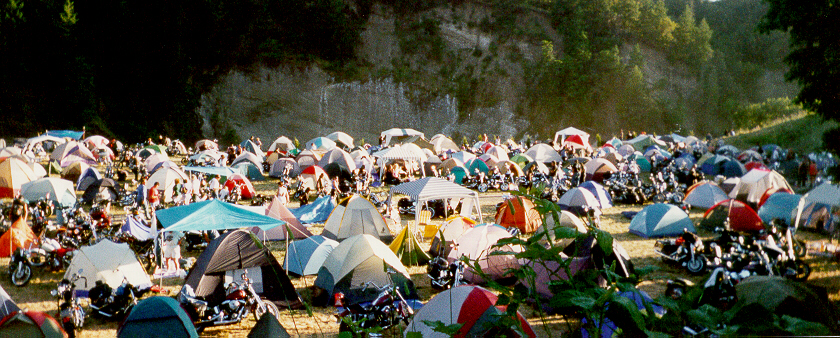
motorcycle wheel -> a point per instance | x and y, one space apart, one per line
659 198
696 266
482 187
21 274
803 271
37 259
269 307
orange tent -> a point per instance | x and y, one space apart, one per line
18 236
523 215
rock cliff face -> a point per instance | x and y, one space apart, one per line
437 74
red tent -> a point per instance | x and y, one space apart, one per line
772 191
248 191
741 216
27 323
523 215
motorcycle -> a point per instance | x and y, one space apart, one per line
70 311
685 250
445 275
195 240
477 182
240 301
20 270
110 303
386 310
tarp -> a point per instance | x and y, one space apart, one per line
477 244
360 259
212 215
227 257
353 216
153 316
661 220
59 190
408 249
306 256
472 306
316 212
76 135
109 262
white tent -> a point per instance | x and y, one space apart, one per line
756 182
561 135
353 216
397 133
543 153
433 188
825 193
109 262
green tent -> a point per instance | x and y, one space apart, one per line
268 326
160 149
250 170
213 215
408 249
153 316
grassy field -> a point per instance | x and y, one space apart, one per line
322 324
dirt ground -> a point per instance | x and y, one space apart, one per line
321 323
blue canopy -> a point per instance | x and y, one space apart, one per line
315 212
76 135
213 215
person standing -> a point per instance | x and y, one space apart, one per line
141 196
214 186
178 192
171 247
154 196
282 193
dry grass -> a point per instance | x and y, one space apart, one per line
322 324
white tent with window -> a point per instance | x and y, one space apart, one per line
561 136
433 188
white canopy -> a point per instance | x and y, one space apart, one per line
398 132
397 153
433 188
561 135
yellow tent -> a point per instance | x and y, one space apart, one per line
408 249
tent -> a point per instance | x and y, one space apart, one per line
471 306
108 262
783 296
153 316
281 144
825 194
206 145
59 190
343 138
463 156
340 157
542 152
213 215
321 144
19 235
87 177
452 228
407 248
166 178
397 134
360 259
753 185
278 211
564 219
771 192
518 212
306 256
71 152
562 135
253 148
601 194
247 157
13 174
644 141
268 326
477 244
704 195
578 200
227 257
433 188
353 216
741 216
101 190
249 170
661 220
315 212
547 271
134 227
598 168
280 164
30 324
310 176
245 186
7 305
307 158
443 144
476 165
153 160
780 205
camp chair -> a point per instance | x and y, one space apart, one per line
430 231
425 219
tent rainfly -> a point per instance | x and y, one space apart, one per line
433 188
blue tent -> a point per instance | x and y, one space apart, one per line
315 212
661 220
475 165
213 215
779 205
154 316
600 193
251 171
460 173
88 177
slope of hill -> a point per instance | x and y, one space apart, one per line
802 134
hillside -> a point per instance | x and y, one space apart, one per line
802 134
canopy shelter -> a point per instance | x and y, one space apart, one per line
397 153
433 188
213 215
397 133
565 133
108 262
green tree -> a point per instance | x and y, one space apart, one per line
814 64
691 43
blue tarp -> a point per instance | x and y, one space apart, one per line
76 135
315 212
213 215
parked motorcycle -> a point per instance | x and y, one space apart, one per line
70 311
114 304
240 301
385 311
445 275
20 270
686 250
